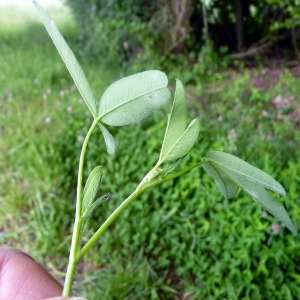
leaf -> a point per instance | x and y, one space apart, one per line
253 181
165 172
183 144
227 187
109 140
91 188
69 60
132 98
244 169
259 193
177 119
178 139
86 215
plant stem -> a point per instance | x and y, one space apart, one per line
109 220
172 176
73 258
142 187
146 183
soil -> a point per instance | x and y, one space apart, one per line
270 76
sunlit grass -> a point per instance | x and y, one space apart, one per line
15 13
36 94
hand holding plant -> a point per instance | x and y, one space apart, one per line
127 101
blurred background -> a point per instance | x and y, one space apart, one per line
239 61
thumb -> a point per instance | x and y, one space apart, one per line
66 298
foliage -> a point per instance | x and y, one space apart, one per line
149 33
290 14
115 31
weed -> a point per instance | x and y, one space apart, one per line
184 239
128 101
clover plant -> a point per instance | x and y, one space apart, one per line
127 101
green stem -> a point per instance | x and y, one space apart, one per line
73 258
174 175
108 221
142 187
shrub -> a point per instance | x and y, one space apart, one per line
120 31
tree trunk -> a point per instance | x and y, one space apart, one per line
240 31
205 22
181 11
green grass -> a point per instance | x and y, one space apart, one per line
179 241
36 95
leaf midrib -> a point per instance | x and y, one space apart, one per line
280 191
177 141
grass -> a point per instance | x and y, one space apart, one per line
36 94
180 241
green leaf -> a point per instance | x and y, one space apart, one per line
259 193
183 144
109 140
244 169
253 181
91 188
87 213
165 172
177 119
69 60
133 98
227 187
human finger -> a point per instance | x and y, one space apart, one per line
22 278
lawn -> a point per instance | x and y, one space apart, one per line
179 241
